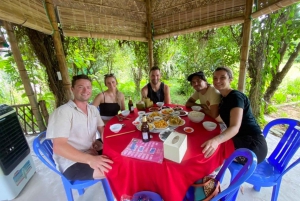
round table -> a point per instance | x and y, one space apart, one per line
169 179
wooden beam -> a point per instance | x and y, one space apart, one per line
245 46
59 50
237 20
149 32
24 76
86 34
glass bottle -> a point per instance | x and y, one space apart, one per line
145 129
130 105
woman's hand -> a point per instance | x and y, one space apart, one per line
209 147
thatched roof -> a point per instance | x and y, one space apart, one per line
127 19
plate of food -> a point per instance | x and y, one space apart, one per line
177 108
163 135
151 126
154 114
160 124
167 111
188 129
153 109
176 121
183 113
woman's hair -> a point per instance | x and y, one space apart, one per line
227 70
117 92
79 77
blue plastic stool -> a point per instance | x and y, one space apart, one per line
147 194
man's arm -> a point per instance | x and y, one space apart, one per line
191 102
144 92
62 148
167 95
213 111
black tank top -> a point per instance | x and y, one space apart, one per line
158 96
109 109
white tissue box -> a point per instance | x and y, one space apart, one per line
175 146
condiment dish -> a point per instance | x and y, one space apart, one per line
115 127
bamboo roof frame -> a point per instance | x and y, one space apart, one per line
139 20
127 19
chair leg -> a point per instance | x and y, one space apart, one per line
69 193
107 190
275 191
80 191
257 188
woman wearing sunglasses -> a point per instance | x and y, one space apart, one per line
111 101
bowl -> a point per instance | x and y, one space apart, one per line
141 113
157 118
209 125
125 113
160 104
176 113
195 116
196 108
115 127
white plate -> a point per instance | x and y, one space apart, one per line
163 135
167 111
152 113
176 125
185 113
177 108
152 109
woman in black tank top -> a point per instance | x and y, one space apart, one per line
111 101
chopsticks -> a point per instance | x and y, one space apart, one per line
120 134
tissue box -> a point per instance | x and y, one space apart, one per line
175 146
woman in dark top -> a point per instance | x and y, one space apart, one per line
111 101
235 111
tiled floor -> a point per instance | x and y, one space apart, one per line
45 185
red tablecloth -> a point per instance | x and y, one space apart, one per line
169 179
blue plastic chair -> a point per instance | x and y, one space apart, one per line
270 172
153 196
43 148
244 173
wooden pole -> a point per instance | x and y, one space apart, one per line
24 76
149 32
44 110
59 49
245 46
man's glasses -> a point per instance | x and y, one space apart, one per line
109 75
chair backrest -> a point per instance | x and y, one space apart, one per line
43 148
241 176
287 146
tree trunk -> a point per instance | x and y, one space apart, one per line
24 76
43 47
277 79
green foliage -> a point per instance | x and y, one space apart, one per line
288 92
271 109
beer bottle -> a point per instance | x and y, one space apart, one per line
130 105
145 130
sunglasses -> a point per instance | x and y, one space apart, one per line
109 75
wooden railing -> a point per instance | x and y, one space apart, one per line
27 119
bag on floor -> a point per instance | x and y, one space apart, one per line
204 189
